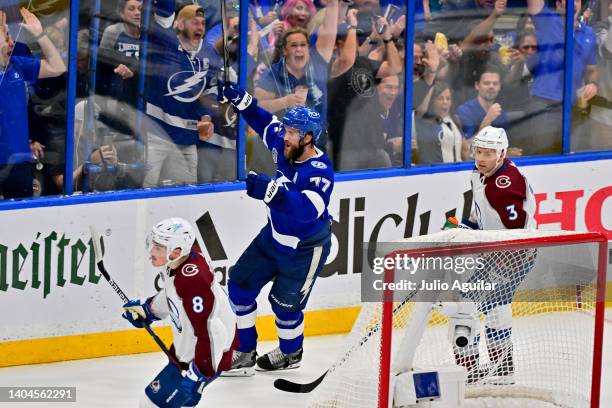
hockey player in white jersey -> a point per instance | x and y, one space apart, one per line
292 247
202 321
503 199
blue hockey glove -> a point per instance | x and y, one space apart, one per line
238 97
193 379
138 313
262 187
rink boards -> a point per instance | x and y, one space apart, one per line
57 307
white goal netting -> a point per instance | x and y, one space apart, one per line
536 330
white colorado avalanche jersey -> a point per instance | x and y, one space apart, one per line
203 323
503 200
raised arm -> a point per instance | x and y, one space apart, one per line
326 37
269 101
52 65
164 12
392 64
348 53
263 122
486 26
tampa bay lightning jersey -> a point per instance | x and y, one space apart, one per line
309 185
177 79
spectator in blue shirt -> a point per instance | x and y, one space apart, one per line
549 29
15 154
545 110
300 77
483 110
600 132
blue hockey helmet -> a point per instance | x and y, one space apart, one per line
305 120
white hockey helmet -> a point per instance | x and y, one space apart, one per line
172 233
491 138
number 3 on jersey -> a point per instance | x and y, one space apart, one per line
198 304
512 214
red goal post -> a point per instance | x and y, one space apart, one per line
489 247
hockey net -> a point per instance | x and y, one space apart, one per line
553 338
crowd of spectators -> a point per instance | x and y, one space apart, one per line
476 63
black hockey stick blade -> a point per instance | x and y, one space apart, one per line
289 386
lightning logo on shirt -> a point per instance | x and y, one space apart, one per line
188 83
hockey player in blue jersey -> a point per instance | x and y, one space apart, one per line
292 247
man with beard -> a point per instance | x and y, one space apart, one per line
292 247
483 110
180 94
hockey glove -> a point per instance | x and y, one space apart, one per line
452 222
262 187
138 313
238 97
193 380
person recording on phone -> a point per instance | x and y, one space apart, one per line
370 20
355 128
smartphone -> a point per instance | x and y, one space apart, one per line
378 26
390 13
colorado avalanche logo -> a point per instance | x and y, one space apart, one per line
174 316
190 270
155 386
503 182
186 86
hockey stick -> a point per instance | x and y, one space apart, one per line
290 386
96 239
224 44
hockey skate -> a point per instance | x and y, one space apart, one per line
500 371
277 360
501 368
243 364
471 361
